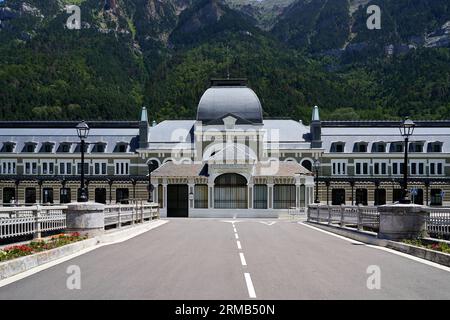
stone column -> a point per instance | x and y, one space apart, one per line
402 221
87 218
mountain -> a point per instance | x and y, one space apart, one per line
162 53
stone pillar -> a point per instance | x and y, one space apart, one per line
402 221
87 218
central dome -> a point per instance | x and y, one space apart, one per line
230 96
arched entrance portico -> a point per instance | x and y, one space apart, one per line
230 191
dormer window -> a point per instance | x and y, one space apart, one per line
396 147
99 147
121 147
8 147
434 147
64 147
47 147
379 147
337 147
360 147
416 147
29 147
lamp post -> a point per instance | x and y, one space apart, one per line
83 132
151 167
316 168
406 130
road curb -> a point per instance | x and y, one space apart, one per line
369 238
13 267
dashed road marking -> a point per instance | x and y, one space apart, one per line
236 236
243 262
239 245
250 288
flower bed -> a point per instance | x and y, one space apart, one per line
56 241
438 246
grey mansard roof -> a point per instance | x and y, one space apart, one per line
241 101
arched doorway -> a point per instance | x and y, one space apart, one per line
230 192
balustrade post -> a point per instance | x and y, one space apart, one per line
119 217
37 232
329 215
341 223
359 217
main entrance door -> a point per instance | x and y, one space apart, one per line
177 200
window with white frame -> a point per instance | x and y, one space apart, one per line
8 167
47 167
100 167
436 167
30 167
417 168
380 168
86 168
397 168
121 167
65 167
339 167
362 167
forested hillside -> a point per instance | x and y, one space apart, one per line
162 54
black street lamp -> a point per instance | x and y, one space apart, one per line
151 166
83 132
316 168
406 130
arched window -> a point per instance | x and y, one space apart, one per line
230 192
307 164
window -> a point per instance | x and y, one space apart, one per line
360 147
379 147
30 196
30 167
100 167
47 147
361 197
417 168
122 195
29 147
436 168
48 168
337 197
339 167
8 147
396 147
361 167
65 168
64 195
121 147
260 196
337 147
380 168
99 148
380 197
416 147
283 196
121 167
436 197
8 167
47 195
230 192
64 147
86 168
100 195
201 196
397 168
434 147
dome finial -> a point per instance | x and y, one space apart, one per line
315 114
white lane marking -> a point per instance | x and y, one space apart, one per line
243 262
268 223
234 229
239 245
231 221
236 236
408 256
250 288
51 264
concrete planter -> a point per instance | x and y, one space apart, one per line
12 267
87 218
402 221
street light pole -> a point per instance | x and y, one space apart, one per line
82 131
317 167
406 130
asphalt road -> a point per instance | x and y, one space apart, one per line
202 259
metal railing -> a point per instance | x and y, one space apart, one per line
438 221
21 221
34 220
